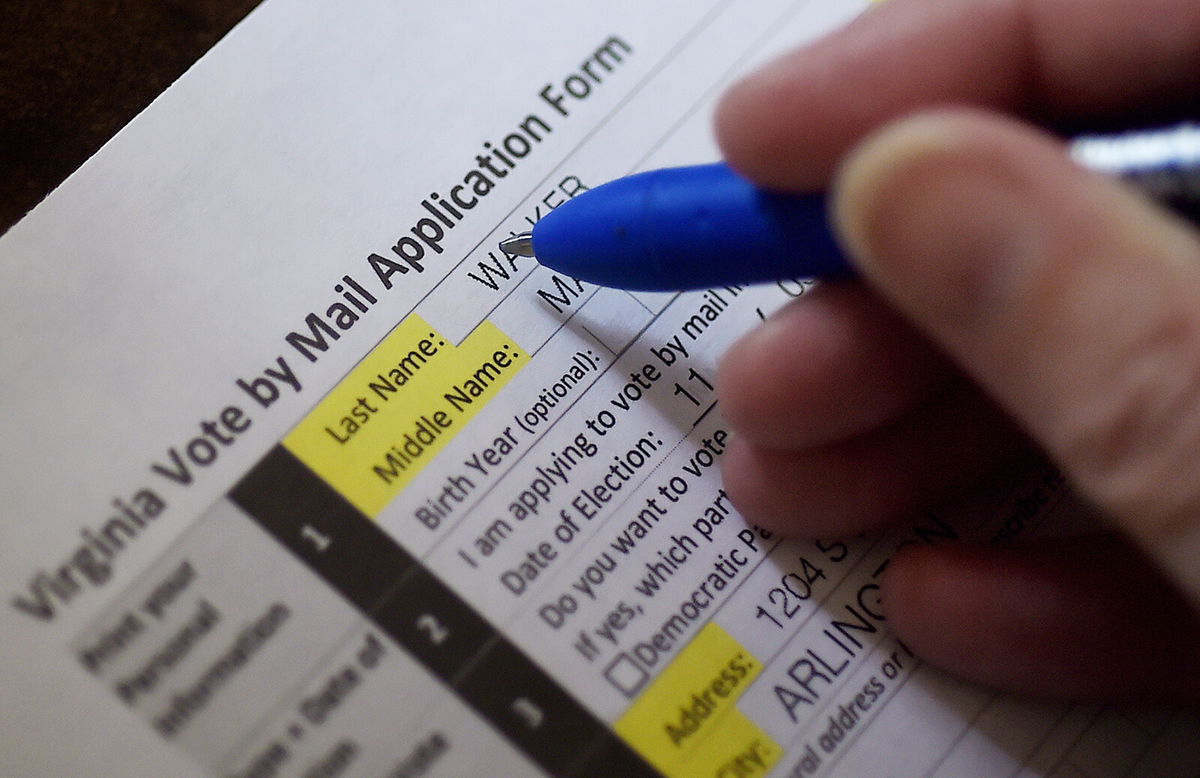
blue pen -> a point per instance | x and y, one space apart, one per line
705 226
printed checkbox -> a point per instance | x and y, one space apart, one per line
626 674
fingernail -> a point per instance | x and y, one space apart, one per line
933 221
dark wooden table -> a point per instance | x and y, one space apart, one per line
73 72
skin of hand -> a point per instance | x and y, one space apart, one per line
1012 305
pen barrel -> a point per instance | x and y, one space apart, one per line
688 228
1162 163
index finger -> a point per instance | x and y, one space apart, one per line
788 124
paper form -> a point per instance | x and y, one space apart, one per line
303 476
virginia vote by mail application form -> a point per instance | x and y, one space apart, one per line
302 475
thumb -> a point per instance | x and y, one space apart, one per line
1074 303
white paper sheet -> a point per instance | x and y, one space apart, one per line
191 454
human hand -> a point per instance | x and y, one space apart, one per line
1009 296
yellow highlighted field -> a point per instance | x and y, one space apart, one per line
400 406
687 722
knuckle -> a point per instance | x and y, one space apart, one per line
1133 442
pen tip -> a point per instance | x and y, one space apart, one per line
520 244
